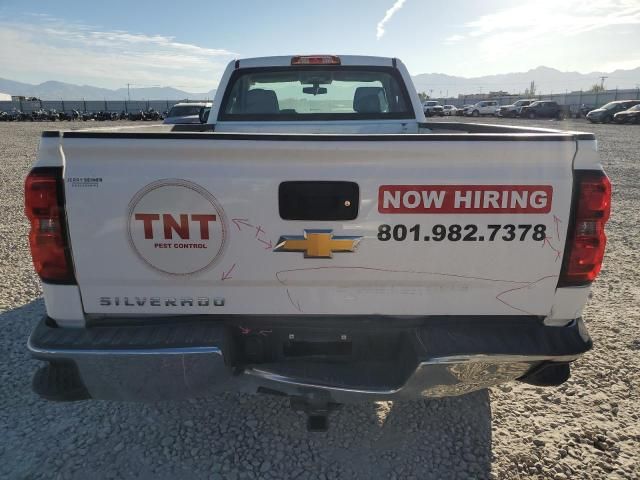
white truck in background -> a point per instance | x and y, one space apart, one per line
432 108
316 238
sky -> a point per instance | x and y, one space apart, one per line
188 44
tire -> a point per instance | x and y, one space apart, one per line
606 119
560 116
532 115
475 113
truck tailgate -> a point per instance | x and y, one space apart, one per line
193 224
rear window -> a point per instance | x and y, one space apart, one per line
316 93
184 110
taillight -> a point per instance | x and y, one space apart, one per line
586 239
315 60
44 207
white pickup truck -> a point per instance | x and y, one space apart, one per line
316 238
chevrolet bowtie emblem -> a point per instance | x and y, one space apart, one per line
317 243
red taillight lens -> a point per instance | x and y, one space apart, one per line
587 240
594 196
47 237
315 60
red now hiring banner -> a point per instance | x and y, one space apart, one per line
465 198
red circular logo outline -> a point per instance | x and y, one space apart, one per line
178 182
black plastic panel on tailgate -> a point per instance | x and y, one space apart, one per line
318 200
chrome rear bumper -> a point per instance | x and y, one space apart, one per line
451 357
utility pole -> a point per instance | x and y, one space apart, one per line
602 79
128 92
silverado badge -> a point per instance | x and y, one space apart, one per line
317 243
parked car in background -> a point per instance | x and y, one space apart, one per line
632 115
486 107
460 110
513 110
605 113
450 110
186 113
432 108
585 109
542 109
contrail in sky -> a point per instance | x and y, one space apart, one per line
387 16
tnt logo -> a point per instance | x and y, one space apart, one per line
170 225
177 227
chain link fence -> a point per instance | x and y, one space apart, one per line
90 106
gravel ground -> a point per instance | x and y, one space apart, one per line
587 428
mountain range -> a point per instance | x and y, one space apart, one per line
52 90
547 80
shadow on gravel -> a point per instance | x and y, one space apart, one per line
229 436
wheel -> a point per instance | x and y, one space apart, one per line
475 113
606 119
532 115
560 116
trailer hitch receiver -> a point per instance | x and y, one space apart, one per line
317 409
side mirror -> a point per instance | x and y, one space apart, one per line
204 114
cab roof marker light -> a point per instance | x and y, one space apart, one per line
315 60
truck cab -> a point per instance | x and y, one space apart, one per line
342 94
